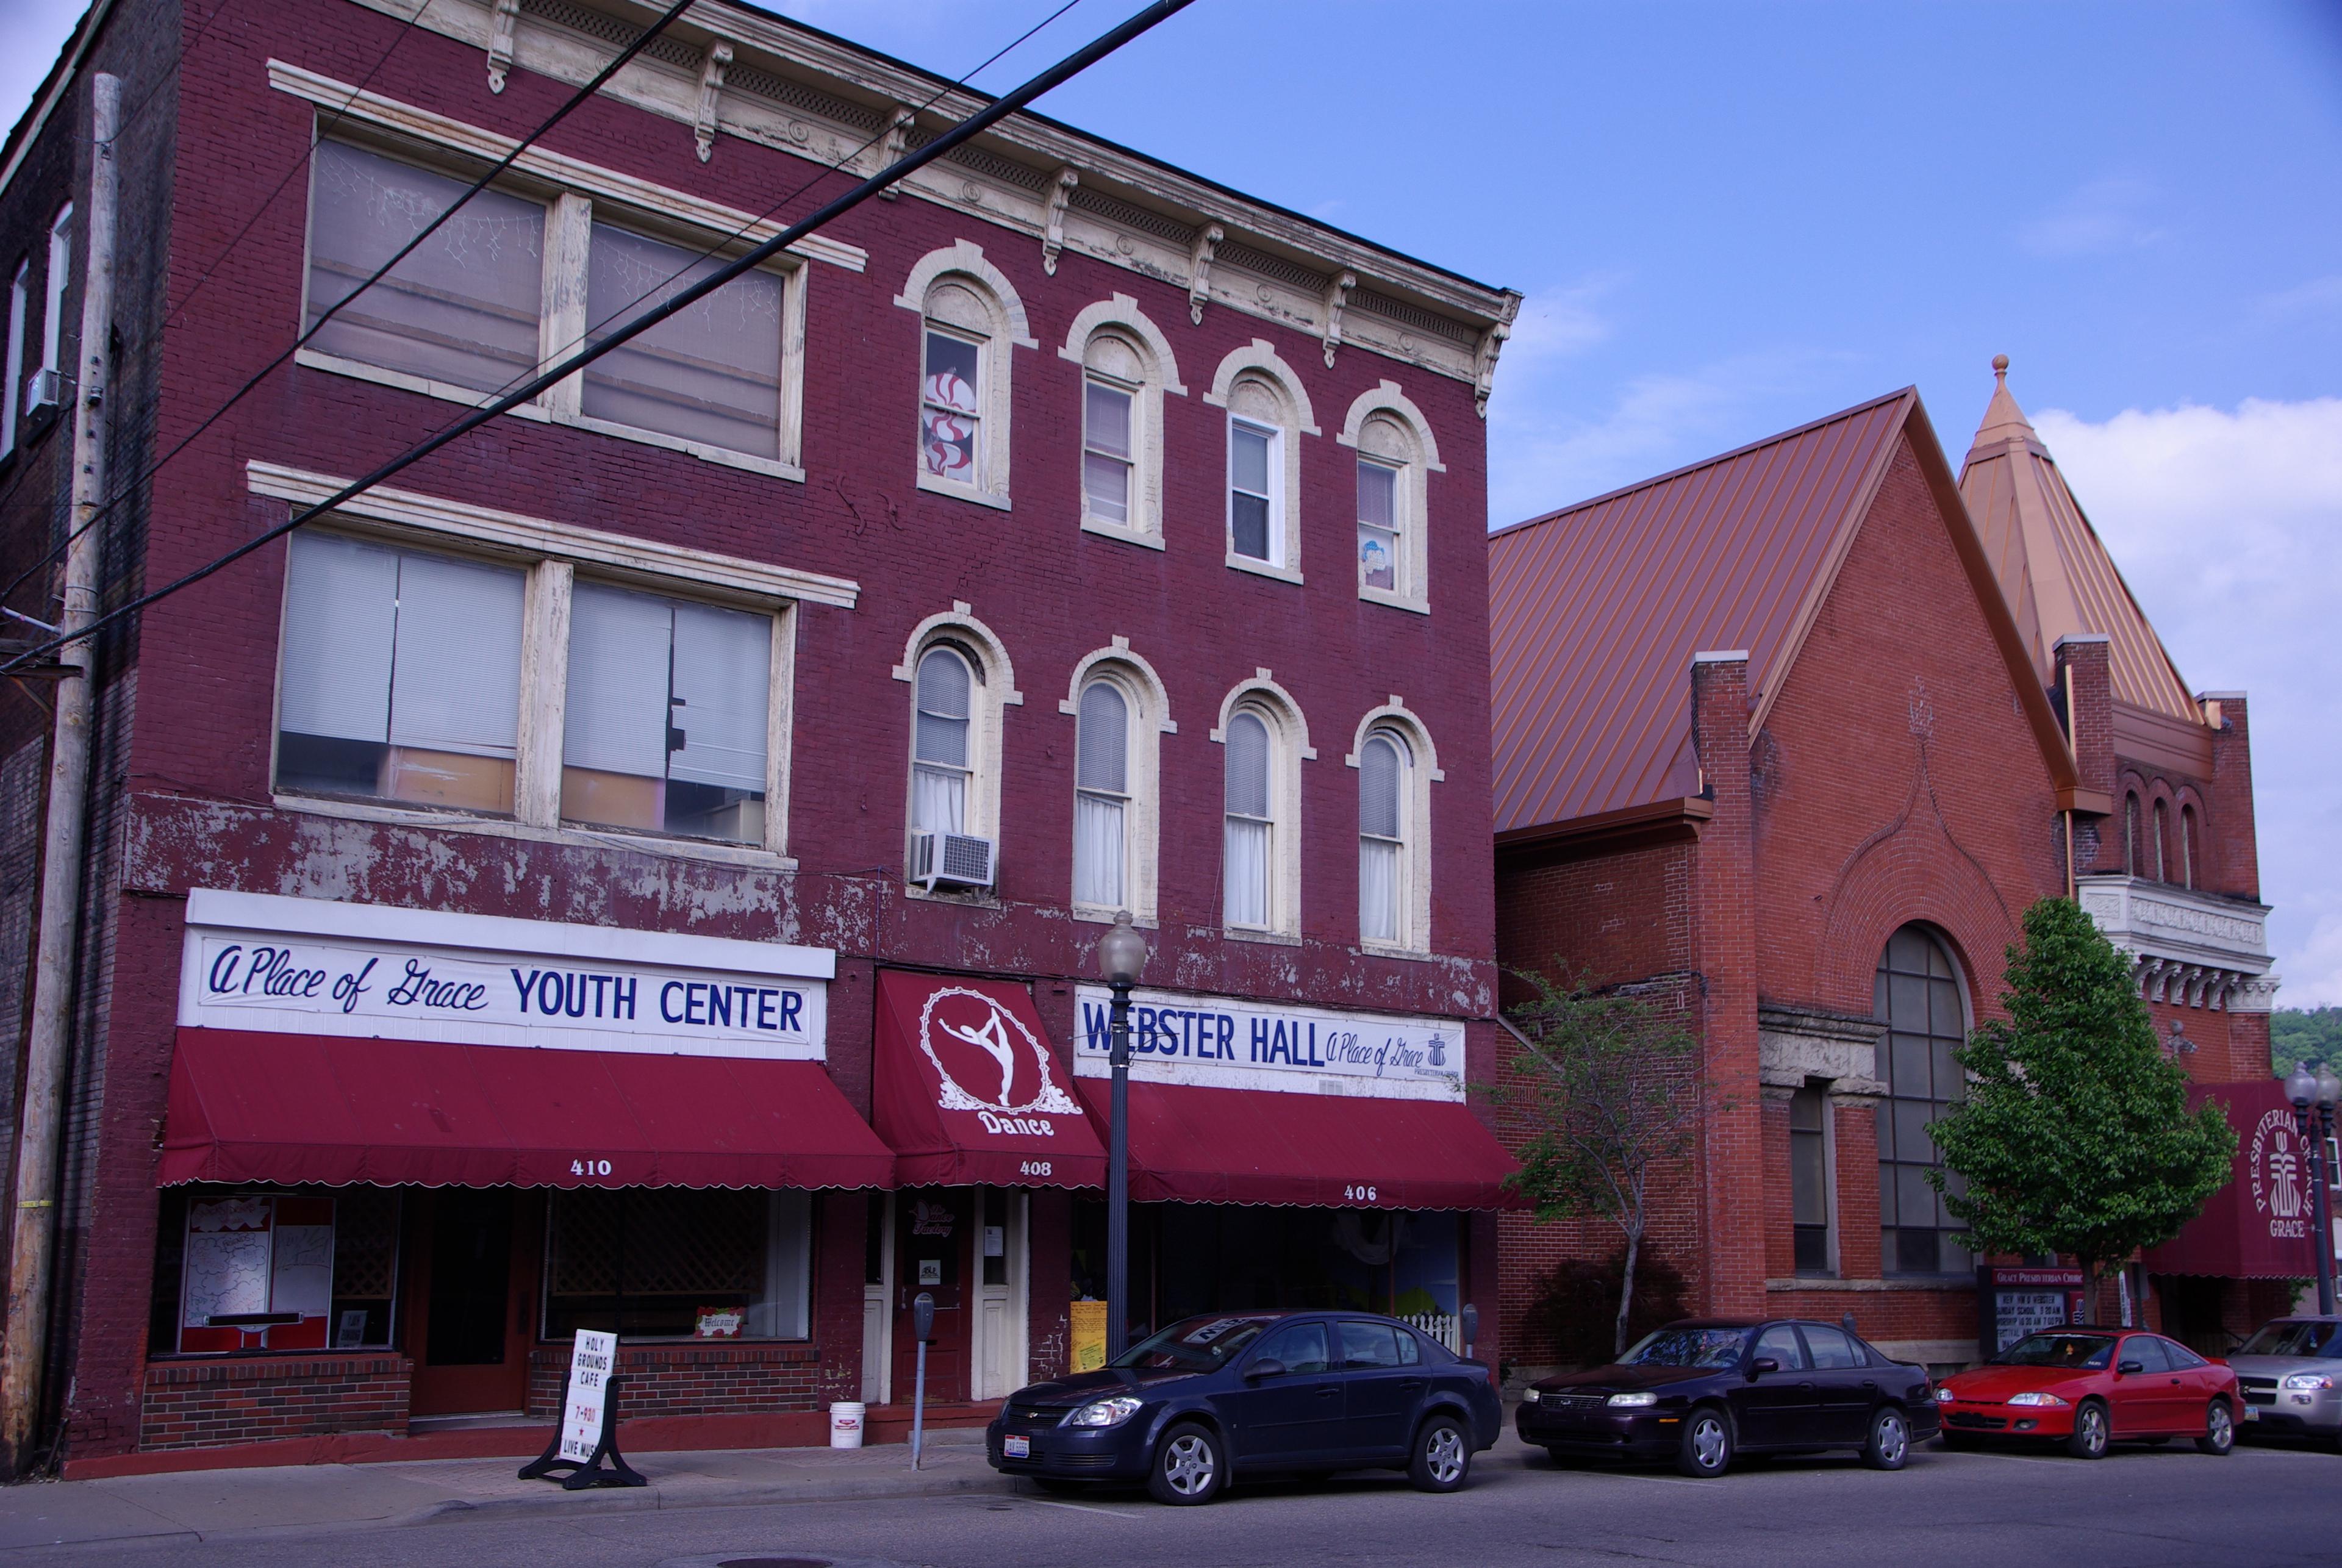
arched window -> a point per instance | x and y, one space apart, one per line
1127 367
1102 798
942 756
2162 840
1917 995
1268 412
1395 456
2133 866
2190 846
970 323
1386 788
1249 878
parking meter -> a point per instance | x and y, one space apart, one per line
923 1329
1471 1329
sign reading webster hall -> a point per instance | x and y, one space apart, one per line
310 966
1221 1042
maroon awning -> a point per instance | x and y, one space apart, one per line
1200 1145
302 1108
2259 1226
969 1092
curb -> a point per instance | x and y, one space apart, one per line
655 1498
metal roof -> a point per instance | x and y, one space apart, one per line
2053 568
1596 610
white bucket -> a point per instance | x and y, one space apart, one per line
846 1419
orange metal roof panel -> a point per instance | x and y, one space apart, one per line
1597 609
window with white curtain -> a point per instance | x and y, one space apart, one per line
401 676
1102 797
13 389
1249 840
710 373
1256 471
53 322
942 754
464 309
1385 776
666 717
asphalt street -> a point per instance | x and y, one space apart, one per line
2137 1507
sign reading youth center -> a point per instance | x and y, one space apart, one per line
308 966
1220 1042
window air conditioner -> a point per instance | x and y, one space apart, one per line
44 390
952 860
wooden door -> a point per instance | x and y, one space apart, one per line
469 1305
934 1232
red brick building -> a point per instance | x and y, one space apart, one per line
1791 738
760 729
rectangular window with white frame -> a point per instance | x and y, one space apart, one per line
1107 449
1380 563
1255 467
19 300
950 412
520 279
53 322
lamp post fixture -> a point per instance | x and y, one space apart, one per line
2320 1090
1122 956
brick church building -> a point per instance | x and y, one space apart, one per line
1791 738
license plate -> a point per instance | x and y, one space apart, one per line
1015 1448
2251 1414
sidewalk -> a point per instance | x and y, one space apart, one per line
221 1504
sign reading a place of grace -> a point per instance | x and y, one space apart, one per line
310 966
1223 1042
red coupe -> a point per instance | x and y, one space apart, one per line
2089 1387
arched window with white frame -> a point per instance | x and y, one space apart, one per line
1249 878
1127 367
943 752
1386 790
971 322
1396 456
1102 797
1267 413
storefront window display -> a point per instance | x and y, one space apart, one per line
674 1263
274 1271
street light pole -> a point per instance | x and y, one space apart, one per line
1122 957
2321 1089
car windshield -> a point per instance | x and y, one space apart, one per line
2081 1352
2305 1339
1709 1347
1193 1344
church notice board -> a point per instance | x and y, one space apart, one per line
2012 1303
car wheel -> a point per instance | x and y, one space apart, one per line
1705 1450
2219 1430
1188 1466
1890 1443
2090 1434
1442 1457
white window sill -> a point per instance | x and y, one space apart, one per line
1098 914
1396 601
358 371
1264 569
709 850
1122 531
1253 933
936 485
1395 950
973 898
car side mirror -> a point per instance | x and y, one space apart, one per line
2126 1368
1762 1365
1267 1366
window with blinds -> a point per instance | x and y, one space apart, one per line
668 715
1250 824
1106 449
400 676
1382 839
463 309
1102 797
710 373
940 751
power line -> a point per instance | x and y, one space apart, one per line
967 130
148 475
257 376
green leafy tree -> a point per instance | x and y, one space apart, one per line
2298 1034
1604 1087
2076 1136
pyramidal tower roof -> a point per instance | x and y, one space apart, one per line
2055 572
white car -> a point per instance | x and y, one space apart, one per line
2291 1373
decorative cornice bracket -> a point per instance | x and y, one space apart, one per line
1061 190
1337 299
711 90
1199 270
898 136
501 29
1492 344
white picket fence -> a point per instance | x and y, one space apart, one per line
1445 1327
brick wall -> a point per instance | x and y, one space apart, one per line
696 1379
190 1404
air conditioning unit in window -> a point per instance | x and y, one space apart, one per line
44 390
953 860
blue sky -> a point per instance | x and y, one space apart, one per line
1729 219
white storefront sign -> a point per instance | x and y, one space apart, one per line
590 1363
1227 1042
309 966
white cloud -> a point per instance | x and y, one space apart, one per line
2228 527
2101 216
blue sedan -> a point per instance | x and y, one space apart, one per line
1256 1393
